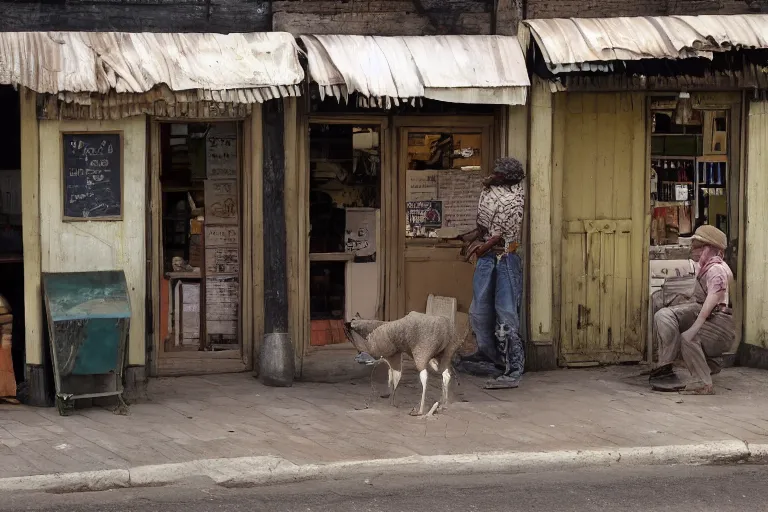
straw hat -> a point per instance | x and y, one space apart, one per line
710 235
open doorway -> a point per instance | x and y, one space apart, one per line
11 254
693 158
199 248
345 201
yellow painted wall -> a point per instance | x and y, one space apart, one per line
99 245
540 211
30 214
604 242
756 276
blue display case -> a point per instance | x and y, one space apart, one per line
89 317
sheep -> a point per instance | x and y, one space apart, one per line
431 341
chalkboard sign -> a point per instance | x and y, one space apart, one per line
92 178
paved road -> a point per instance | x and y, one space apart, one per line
678 489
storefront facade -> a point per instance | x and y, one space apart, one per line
365 145
383 150
196 299
632 148
192 252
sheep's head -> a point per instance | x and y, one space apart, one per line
358 329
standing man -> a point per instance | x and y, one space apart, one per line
702 328
497 284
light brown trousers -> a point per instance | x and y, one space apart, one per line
714 338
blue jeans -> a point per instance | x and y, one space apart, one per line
497 290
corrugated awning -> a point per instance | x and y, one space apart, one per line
591 44
232 68
390 70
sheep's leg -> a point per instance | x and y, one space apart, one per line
447 371
423 374
434 365
446 386
395 364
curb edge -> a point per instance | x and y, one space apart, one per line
269 470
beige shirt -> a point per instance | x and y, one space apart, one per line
500 212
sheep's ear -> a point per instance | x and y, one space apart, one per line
357 315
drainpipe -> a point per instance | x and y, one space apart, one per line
276 359
494 17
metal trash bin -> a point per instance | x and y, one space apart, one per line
88 321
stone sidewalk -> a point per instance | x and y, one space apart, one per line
193 418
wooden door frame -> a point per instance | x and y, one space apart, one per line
735 103
195 362
640 210
385 172
416 249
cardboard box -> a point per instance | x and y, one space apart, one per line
196 251
419 145
463 143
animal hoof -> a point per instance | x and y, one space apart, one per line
386 395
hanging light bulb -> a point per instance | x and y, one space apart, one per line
684 109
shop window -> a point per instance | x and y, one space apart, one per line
200 287
10 173
443 182
344 198
11 257
689 170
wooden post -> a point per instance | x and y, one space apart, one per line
276 359
35 390
540 205
540 285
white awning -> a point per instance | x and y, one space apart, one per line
590 44
232 68
388 70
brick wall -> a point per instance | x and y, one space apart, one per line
606 8
383 17
221 16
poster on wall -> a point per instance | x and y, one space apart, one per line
460 191
421 185
221 260
222 300
221 152
423 216
457 191
221 236
221 202
360 233
92 176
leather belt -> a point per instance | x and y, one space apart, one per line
722 309
509 249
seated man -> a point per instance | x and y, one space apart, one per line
702 328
